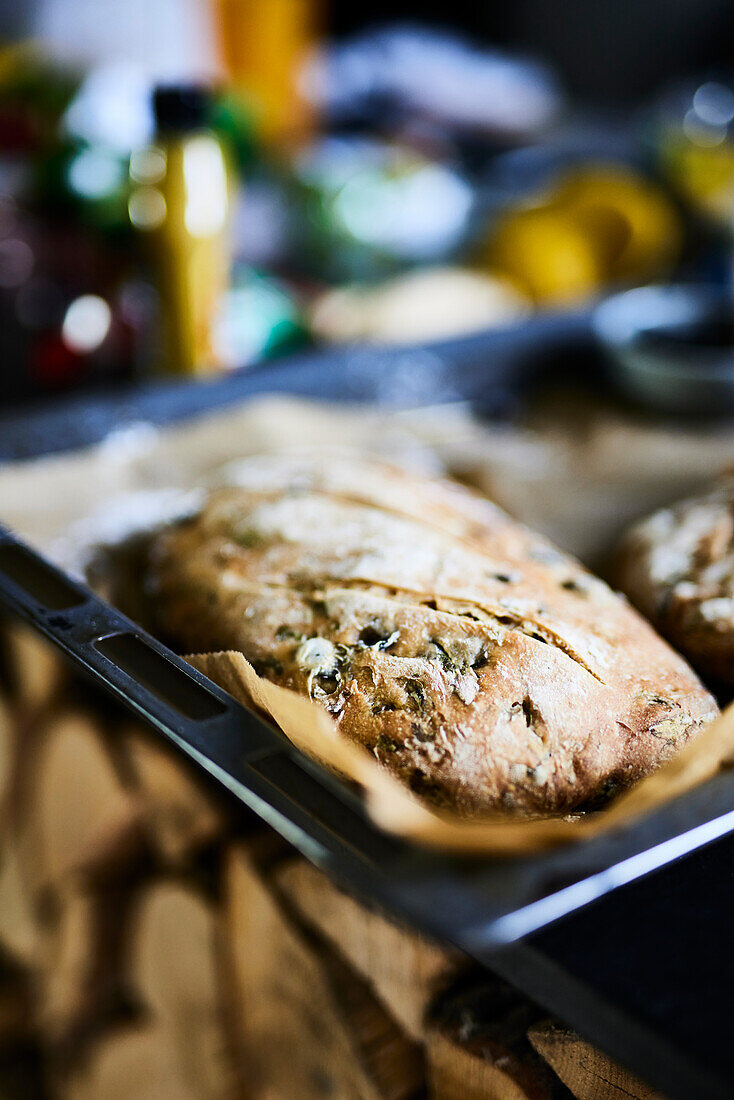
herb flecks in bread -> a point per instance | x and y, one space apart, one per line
476 661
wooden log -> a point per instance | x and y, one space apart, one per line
588 1073
309 1026
17 1021
23 1072
456 1072
34 669
139 1061
175 967
68 817
180 814
8 747
22 934
66 988
404 970
82 983
21 929
477 1046
85 821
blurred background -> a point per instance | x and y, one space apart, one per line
192 188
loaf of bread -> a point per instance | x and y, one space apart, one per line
677 566
476 661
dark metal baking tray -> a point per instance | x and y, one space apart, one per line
484 906
492 371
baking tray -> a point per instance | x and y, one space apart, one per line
492 371
492 909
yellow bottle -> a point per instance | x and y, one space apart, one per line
265 45
180 200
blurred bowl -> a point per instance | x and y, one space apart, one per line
671 348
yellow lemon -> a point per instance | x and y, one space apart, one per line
633 225
546 254
704 173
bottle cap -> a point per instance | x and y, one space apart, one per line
181 107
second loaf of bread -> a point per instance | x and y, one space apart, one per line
475 660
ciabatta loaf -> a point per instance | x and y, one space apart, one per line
475 660
677 566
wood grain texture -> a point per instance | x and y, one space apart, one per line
456 1072
179 813
175 955
139 1061
86 820
588 1073
309 1027
404 970
34 670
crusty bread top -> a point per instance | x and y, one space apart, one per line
677 566
473 658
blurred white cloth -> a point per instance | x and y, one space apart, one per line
168 39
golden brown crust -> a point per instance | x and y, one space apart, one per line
473 658
677 566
